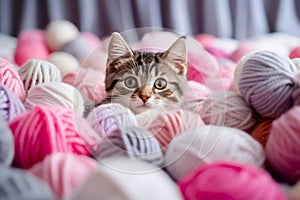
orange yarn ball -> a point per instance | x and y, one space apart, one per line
261 131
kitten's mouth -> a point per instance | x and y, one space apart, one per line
144 106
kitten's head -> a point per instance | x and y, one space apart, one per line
145 80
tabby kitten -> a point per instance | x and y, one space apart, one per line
145 80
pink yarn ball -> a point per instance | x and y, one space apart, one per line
194 95
243 49
228 181
11 79
32 35
205 39
44 130
89 82
30 50
282 148
295 53
64 172
170 124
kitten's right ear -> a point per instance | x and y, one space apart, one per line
117 47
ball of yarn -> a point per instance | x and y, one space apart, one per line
64 172
20 184
224 180
46 130
65 62
226 72
35 72
134 142
55 94
7 150
194 95
207 144
11 79
266 83
77 47
170 124
32 35
133 179
229 109
30 50
282 148
108 117
205 39
89 82
295 53
10 105
262 130
59 32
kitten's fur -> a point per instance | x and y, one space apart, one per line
145 80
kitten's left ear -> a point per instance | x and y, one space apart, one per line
176 55
117 47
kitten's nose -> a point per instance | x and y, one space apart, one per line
144 98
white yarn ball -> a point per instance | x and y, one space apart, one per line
59 32
35 72
65 62
225 108
207 144
55 94
125 178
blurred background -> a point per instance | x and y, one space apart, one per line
238 19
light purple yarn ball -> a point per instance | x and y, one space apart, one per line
109 117
10 105
266 83
7 148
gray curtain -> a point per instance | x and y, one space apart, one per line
238 19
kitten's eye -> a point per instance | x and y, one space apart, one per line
131 82
160 84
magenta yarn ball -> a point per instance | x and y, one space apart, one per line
45 130
282 148
229 181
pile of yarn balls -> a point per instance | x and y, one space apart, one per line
241 142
